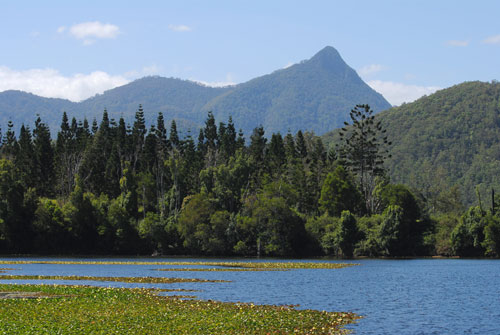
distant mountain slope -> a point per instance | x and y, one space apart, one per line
22 107
175 98
451 137
314 95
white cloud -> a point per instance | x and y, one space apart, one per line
288 65
179 28
152 70
214 83
228 82
371 69
52 84
492 40
397 93
90 31
457 43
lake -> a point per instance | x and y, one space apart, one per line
421 296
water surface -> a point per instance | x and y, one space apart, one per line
423 296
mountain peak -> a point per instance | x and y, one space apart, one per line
329 54
330 60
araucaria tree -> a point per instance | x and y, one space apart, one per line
363 150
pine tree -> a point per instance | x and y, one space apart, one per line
364 149
211 140
44 155
290 150
138 135
174 136
25 158
276 155
301 145
9 143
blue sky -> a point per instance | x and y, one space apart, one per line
403 49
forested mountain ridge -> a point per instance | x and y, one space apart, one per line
450 138
314 95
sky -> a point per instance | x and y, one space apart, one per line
402 49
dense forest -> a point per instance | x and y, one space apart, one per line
448 140
314 95
115 188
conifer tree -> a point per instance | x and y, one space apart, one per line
9 143
301 145
276 155
138 135
364 149
25 158
174 136
44 155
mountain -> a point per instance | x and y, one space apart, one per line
315 95
21 107
450 138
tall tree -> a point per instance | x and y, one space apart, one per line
9 143
44 155
211 140
174 136
25 158
138 136
364 149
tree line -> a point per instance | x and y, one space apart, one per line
115 188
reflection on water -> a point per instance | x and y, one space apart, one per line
395 296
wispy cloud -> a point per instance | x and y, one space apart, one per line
52 84
228 82
88 32
492 40
457 43
152 70
397 93
371 69
179 28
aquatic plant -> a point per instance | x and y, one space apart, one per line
97 310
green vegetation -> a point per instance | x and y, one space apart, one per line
314 95
445 150
115 189
151 280
445 145
91 310
242 265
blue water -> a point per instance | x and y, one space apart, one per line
427 296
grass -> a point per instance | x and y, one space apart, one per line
94 310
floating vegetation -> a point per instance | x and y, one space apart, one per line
253 265
219 269
284 265
173 290
98 310
148 280
27 295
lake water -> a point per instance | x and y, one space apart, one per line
423 296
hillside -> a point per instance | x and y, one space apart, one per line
21 107
314 95
450 138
